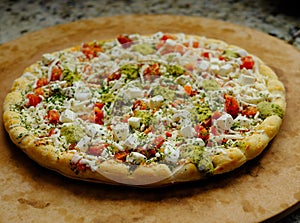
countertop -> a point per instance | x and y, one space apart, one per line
277 18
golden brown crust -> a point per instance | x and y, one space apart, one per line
151 175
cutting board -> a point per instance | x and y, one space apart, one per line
267 187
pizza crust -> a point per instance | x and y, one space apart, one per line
152 175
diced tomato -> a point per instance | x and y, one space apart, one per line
167 36
72 146
247 62
152 69
195 44
158 141
149 129
39 91
168 134
231 106
51 132
178 48
190 66
124 40
114 76
222 58
121 155
201 132
151 153
188 89
99 105
81 166
139 104
42 82
205 55
56 74
99 116
214 130
53 116
216 114
91 50
33 99
96 150
249 111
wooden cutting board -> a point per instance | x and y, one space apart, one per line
265 188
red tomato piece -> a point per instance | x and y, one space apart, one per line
247 62
91 50
99 105
96 150
168 134
152 69
231 106
39 91
56 74
158 141
125 41
249 111
205 55
139 104
33 99
53 116
121 155
167 36
42 82
201 132
81 166
99 116
51 132
188 89
114 76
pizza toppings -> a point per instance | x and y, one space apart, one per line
167 98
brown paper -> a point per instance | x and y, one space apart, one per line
261 189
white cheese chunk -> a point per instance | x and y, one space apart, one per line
246 79
214 60
171 152
241 52
187 131
243 121
214 68
134 122
67 116
94 130
70 66
171 42
156 102
82 94
135 92
181 114
84 143
225 69
203 65
135 158
121 131
47 58
225 121
132 141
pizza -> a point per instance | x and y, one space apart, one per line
145 110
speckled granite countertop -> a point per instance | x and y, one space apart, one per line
279 18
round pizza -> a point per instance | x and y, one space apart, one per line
145 110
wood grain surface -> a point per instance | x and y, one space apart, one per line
265 188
